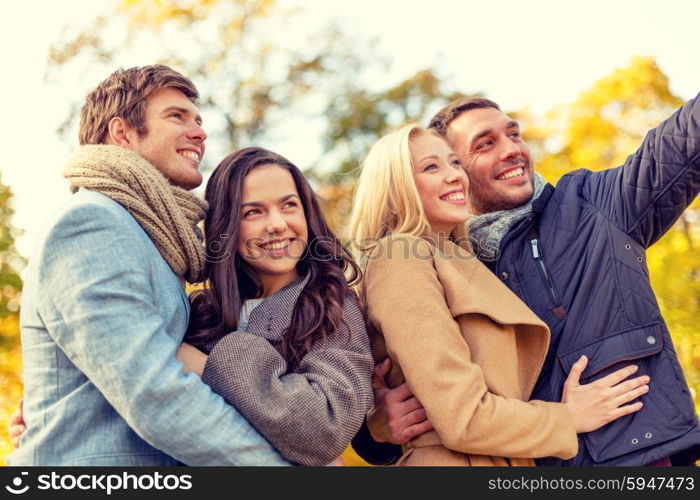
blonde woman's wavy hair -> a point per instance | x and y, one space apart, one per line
386 198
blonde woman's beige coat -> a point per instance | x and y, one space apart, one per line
471 352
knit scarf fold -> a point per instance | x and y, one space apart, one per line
167 213
486 231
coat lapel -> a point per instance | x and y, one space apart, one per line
471 288
271 318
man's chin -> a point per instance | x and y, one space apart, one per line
519 195
503 200
190 182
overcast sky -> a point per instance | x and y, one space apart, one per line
535 53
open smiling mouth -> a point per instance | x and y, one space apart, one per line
276 245
453 196
511 174
188 153
278 248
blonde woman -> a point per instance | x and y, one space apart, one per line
468 349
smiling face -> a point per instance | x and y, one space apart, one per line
174 142
441 182
495 157
273 232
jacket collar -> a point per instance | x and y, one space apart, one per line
273 315
541 201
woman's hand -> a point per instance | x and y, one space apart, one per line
16 425
192 358
598 403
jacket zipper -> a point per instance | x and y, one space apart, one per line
559 310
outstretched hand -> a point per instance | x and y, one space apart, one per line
397 415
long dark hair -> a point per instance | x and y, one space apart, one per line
231 280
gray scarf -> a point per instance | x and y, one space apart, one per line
486 231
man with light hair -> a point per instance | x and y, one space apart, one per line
575 254
104 309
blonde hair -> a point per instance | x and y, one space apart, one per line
386 198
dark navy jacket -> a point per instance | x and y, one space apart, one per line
579 263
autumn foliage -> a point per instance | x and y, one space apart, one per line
597 131
10 287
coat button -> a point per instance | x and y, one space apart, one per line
651 340
504 276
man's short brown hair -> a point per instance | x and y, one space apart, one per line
446 115
124 94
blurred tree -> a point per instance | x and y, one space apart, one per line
10 288
10 261
260 72
598 131
357 120
262 75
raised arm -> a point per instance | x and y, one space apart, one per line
646 195
97 301
309 414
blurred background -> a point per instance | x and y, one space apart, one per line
319 81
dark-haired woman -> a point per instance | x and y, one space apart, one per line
286 339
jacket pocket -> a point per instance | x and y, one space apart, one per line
660 419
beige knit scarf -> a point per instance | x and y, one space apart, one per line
167 213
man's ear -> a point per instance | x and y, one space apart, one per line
118 132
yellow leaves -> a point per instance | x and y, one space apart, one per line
352 459
640 84
606 123
10 377
155 13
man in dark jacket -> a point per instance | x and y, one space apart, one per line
575 254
